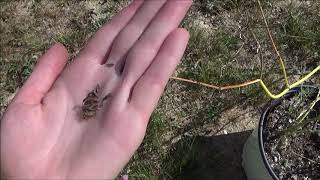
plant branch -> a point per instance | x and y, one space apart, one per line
274 45
301 120
274 96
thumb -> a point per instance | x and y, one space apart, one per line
44 75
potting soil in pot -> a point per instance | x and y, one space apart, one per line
293 155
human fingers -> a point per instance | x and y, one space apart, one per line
146 49
44 75
150 86
133 30
86 72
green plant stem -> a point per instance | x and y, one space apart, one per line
301 120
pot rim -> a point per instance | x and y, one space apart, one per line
265 113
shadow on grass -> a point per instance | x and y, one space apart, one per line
206 158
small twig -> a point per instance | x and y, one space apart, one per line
304 157
255 38
263 85
301 119
274 45
218 87
258 51
238 51
304 114
197 82
232 61
298 37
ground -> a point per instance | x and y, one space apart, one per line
195 132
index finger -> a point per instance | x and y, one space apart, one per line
86 72
99 45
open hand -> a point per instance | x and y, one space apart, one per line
85 121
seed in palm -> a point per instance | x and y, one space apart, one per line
90 104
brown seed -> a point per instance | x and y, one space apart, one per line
90 104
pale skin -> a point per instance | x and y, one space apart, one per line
42 135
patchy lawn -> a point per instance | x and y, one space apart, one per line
196 132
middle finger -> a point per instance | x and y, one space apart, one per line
133 30
147 47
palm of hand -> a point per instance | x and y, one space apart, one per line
42 133
64 144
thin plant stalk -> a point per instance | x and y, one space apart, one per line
301 119
263 85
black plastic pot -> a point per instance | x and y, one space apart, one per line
260 165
